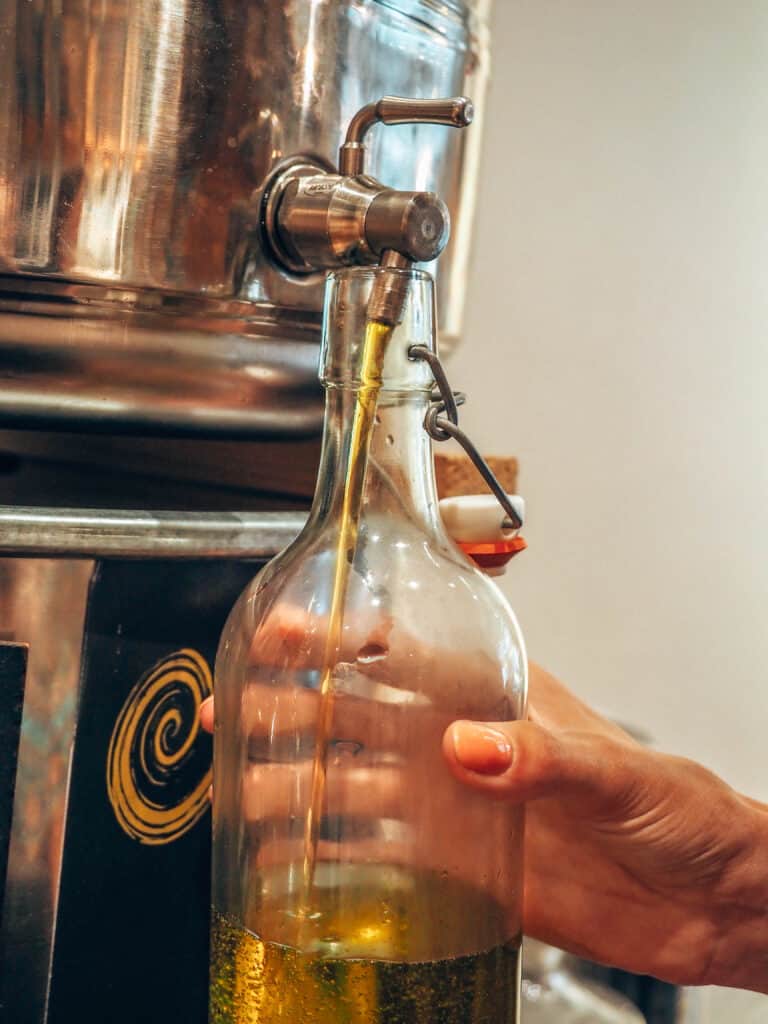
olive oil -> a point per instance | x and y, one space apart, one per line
375 342
383 947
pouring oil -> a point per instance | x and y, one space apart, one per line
383 946
377 336
364 944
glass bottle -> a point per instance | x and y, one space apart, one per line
355 881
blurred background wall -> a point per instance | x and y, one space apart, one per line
617 342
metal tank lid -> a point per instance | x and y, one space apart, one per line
135 293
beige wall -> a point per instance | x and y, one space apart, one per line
617 341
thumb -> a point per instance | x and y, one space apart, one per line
206 714
519 761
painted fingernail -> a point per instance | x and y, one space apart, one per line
481 749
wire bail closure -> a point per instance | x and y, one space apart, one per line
442 423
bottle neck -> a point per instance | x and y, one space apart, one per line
399 480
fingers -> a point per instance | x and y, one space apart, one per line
366 709
293 637
281 792
206 714
382 812
267 710
519 761
291 641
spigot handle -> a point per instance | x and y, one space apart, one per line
456 112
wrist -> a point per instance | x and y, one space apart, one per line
740 959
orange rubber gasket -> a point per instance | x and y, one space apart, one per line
493 554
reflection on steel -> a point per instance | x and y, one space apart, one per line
13 674
79 533
34 595
81 355
134 140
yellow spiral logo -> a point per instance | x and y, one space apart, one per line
157 775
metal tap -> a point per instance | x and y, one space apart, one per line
317 219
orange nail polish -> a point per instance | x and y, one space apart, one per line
481 749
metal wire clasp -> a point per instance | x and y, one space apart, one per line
442 424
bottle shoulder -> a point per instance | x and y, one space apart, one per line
425 575
420 625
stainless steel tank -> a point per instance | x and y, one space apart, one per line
135 139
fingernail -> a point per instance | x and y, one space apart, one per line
481 749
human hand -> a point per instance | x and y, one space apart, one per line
387 797
632 857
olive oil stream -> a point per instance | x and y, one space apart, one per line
377 336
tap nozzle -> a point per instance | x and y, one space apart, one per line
314 219
390 289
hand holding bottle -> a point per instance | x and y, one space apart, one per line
370 704
633 857
377 775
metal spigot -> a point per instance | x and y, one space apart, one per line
316 219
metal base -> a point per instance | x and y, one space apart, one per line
147 363
104 915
